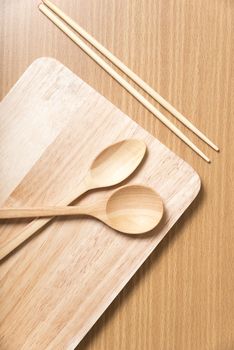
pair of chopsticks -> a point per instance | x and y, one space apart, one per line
55 15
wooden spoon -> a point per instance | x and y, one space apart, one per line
112 166
130 209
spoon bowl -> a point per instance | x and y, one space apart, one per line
134 209
116 163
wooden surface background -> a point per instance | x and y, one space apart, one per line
182 298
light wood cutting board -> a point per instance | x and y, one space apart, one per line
55 287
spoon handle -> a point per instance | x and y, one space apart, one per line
17 213
37 224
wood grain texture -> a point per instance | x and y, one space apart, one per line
71 271
182 298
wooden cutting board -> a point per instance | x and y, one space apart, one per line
55 287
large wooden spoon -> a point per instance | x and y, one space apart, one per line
131 209
112 166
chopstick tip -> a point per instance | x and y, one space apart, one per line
216 148
205 158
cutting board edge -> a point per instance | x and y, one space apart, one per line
195 178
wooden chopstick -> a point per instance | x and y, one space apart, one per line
129 73
57 21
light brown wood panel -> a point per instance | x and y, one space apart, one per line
183 296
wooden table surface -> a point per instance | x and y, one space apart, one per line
183 296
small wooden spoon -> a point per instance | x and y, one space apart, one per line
112 166
131 209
